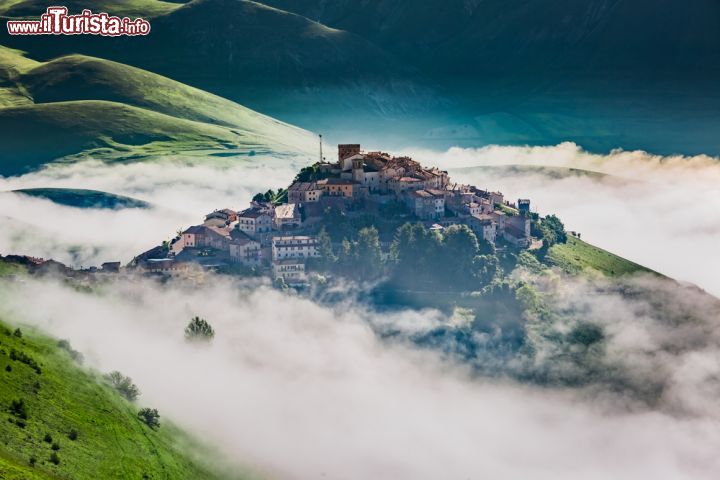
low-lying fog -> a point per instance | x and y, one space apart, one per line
301 391
304 391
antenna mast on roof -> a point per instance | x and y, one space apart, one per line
321 156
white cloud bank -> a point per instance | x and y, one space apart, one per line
181 194
301 391
661 212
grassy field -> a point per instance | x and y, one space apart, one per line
130 8
576 256
555 173
9 268
81 198
60 397
92 107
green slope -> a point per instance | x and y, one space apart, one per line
84 106
82 198
247 50
11 268
78 77
105 130
130 8
111 441
577 256
555 173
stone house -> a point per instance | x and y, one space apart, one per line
303 192
338 187
244 249
426 205
483 226
254 221
287 216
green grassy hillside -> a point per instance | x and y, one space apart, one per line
130 8
84 106
77 77
108 131
81 198
11 268
555 173
577 256
60 397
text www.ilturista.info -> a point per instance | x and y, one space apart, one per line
56 21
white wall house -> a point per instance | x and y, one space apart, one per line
299 246
292 271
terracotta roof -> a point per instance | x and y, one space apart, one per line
196 229
302 186
421 194
336 181
251 213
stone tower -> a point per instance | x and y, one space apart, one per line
358 173
347 151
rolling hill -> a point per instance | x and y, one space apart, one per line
91 107
576 257
213 42
543 37
55 406
81 198
131 8
602 73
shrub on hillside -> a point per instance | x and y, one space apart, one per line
199 329
22 357
74 354
150 417
73 435
18 333
18 408
124 385
54 458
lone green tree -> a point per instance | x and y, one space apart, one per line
199 330
150 417
124 385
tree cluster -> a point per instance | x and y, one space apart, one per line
552 231
199 330
271 196
455 259
420 258
360 258
124 385
150 417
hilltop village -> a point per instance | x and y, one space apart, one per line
280 234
